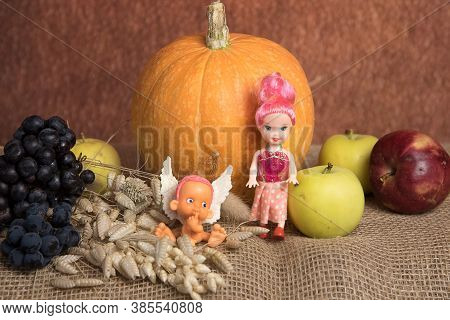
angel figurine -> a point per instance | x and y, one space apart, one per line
194 201
273 167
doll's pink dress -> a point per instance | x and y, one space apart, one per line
270 202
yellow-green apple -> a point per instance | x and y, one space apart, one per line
351 151
101 152
409 172
328 202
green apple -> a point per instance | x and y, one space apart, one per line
351 151
328 202
104 153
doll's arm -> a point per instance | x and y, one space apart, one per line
253 171
292 170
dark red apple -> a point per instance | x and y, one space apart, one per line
409 172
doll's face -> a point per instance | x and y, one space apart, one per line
194 199
275 128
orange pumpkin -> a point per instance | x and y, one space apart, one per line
197 102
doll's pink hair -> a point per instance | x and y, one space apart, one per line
195 179
276 95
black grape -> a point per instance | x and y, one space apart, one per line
61 217
20 207
33 124
44 174
55 183
51 198
37 209
87 176
15 258
5 216
57 123
77 167
66 206
69 180
49 137
34 223
78 190
46 229
19 192
31 144
33 260
70 199
30 242
67 160
44 205
3 203
63 146
45 155
74 238
6 247
19 134
47 260
70 137
17 222
30 180
4 188
13 151
3 162
8 174
50 246
37 195
27 167
15 234
63 236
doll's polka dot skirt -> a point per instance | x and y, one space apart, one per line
270 202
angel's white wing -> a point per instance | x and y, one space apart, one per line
168 187
221 186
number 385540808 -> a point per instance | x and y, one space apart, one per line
166 307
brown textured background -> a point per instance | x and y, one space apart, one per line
406 85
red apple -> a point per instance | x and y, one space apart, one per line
409 172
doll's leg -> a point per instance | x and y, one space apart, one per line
217 236
197 237
280 213
265 210
256 207
162 230
281 224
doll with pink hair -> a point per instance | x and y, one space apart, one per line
273 167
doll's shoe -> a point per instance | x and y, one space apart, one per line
263 235
278 233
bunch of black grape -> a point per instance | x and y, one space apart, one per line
38 171
32 242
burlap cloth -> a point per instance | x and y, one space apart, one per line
389 256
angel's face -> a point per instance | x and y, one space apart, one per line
195 199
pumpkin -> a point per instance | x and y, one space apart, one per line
196 102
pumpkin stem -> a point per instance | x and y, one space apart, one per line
218 36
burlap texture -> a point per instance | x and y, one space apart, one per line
389 256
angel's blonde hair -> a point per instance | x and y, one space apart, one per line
193 178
